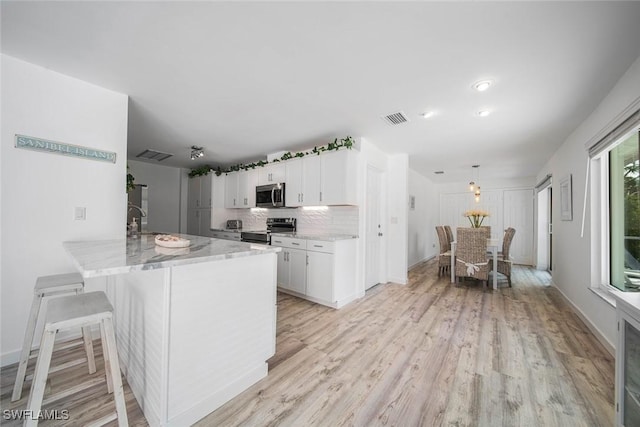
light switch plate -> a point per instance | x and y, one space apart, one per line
80 213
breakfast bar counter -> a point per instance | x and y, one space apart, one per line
194 325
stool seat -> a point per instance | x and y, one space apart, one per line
58 283
77 310
81 310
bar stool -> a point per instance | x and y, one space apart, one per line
71 312
58 284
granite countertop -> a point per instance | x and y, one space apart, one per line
96 258
329 237
238 230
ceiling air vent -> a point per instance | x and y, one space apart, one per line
154 155
395 118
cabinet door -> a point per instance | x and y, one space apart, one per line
311 184
283 270
272 173
339 178
205 191
193 193
293 188
320 276
247 189
193 222
297 270
218 191
204 221
231 191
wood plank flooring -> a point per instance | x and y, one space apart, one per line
426 354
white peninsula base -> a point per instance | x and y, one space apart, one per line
191 337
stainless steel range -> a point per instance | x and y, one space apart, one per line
274 225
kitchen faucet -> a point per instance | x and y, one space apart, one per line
138 208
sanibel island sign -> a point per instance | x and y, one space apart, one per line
37 144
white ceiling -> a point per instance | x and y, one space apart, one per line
247 79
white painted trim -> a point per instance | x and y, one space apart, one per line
593 328
412 266
397 280
613 123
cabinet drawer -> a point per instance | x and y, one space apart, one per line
289 242
320 246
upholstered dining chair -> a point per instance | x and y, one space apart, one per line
449 233
444 258
504 257
471 254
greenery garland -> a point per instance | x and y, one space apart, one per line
346 142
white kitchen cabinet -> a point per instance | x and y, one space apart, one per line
317 270
293 182
303 182
339 178
320 276
628 359
240 189
272 173
231 191
199 192
199 201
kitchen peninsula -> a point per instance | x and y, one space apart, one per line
194 325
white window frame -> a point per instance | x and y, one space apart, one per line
600 218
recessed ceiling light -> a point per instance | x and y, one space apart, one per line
484 113
427 114
482 85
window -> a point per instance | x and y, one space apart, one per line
615 191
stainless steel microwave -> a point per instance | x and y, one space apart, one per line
270 196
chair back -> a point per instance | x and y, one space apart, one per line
449 234
487 229
471 245
442 237
506 242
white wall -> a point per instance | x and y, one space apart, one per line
164 195
40 190
422 237
397 222
571 253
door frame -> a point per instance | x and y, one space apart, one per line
382 250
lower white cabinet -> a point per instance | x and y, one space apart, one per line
628 360
317 270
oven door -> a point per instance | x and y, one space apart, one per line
270 196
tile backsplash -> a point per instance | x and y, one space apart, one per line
329 219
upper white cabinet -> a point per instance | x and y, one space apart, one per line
339 178
199 195
272 173
328 179
240 189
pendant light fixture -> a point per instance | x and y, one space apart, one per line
474 184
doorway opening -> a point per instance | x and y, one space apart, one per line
545 228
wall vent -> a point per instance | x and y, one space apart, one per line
395 118
154 155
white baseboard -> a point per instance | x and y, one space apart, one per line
593 328
414 265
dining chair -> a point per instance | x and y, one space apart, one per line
504 258
487 229
471 254
447 230
444 257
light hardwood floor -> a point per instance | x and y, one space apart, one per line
426 354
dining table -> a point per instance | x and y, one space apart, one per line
493 246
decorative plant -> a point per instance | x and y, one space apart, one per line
346 142
201 171
476 217
130 181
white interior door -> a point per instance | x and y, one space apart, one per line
374 231
518 213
